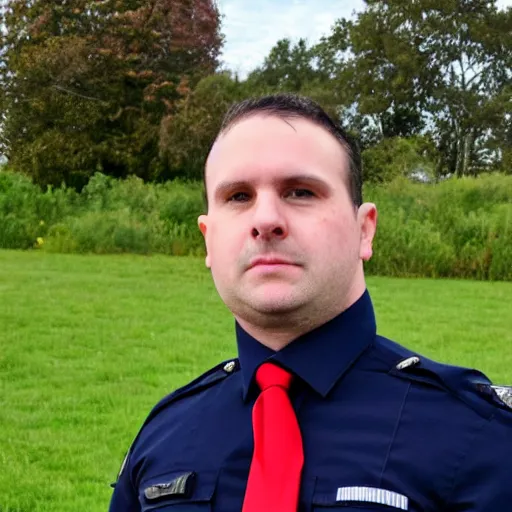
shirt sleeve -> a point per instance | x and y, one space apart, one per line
483 481
125 496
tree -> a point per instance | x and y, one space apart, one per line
428 66
187 135
396 156
293 68
86 84
286 68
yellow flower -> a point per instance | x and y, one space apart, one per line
41 222
40 240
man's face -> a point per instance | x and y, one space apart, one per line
284 240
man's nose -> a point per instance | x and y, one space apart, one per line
269 221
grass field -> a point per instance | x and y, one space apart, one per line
89 343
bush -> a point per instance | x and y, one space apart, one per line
108 216
396 157
26 212
457 228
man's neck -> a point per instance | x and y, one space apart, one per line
275 332
279 335
274 339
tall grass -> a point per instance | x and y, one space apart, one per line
456 228
108 216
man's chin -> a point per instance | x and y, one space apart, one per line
277 304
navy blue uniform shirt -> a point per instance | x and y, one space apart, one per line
382 429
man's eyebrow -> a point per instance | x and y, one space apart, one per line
226 186
304 178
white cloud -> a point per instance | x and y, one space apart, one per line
252 27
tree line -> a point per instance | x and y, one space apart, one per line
134 87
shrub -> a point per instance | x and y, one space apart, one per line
397 157
457 228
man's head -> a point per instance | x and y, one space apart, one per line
285 231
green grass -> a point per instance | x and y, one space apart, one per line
89 343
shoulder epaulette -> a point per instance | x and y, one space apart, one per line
207 379
500 396
463 383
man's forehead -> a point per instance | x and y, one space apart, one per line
272 160
246 130
261 131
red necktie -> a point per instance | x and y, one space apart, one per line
274 477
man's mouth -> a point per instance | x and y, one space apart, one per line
271 262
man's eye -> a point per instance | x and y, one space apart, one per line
239 197
300 193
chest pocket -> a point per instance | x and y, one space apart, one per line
179 491
359 499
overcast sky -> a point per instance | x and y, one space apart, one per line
252 27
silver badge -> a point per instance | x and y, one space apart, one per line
406 363
229 367
504 393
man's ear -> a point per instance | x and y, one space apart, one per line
367 220
202 222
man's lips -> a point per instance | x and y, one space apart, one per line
270 261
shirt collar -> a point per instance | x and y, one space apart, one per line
319 357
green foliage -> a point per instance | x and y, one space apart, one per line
26 212
187 135
129 88
435 67
295 68
455 228
288 68
397 157
109 216
85 86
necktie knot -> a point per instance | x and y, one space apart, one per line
268 375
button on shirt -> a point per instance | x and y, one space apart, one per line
375 437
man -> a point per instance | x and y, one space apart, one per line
318 411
